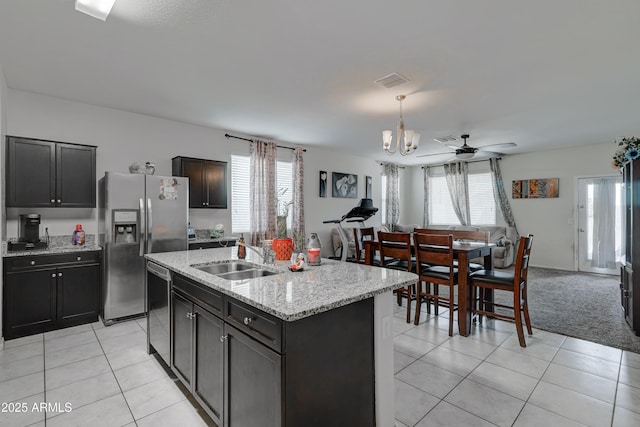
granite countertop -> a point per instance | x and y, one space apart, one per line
289 296
50 250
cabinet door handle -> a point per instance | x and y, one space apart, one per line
190 315
224 337
59 274
33 263
79 258
59 201
248 320
53 275
53 201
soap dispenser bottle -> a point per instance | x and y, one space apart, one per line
242 251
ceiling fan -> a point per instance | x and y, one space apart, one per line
466 152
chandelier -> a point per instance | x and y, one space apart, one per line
406 140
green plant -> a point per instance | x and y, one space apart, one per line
628 149
282 204
282 212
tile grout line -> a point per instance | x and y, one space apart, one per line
114 375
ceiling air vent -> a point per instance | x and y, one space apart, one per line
445 139
392 80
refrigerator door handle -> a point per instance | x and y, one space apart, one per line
142 227
149 226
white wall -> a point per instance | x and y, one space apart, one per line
550 220
123 137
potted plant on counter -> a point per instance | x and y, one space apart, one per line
282 245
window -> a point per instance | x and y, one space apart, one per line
240 174
482 206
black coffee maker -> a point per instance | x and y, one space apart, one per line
29 230
28 234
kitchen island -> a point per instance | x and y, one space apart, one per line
292 348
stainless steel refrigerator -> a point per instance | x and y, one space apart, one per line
138 214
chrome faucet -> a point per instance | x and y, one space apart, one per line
267 255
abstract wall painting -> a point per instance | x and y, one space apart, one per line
541 188
344 185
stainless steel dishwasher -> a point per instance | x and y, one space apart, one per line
158 320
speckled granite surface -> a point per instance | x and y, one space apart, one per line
289 296
57 245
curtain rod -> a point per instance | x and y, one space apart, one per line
472 161
247 139
399 167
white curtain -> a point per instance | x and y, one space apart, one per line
392 209
262 188
604 245
298 231
456 175
500 194
425 208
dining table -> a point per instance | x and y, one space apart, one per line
463 251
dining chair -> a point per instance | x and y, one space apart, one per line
462 235
395 253
515 282
436 252
361 235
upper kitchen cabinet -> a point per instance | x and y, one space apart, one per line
207 181
50 174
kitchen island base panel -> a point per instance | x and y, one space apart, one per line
329 368
383 348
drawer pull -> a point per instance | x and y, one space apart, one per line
79 258
248 320
222 338
33 263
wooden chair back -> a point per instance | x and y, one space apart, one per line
360 235
395 249
434 249
466 235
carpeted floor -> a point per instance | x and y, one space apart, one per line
580 305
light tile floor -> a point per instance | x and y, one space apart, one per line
106 378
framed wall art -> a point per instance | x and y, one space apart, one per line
323 184
368 187
344 185
541 188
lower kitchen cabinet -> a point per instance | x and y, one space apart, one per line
29 302
46 292
246 367
78 300
253 378
197 355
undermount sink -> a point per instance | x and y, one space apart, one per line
246 274
235 270
225 267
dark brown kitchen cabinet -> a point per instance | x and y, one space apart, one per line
207 181
197 348
246 367
44 173
46 292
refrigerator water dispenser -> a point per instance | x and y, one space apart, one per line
125 224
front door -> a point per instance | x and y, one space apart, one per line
599 228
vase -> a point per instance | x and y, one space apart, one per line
283 248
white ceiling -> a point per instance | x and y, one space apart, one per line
544 74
